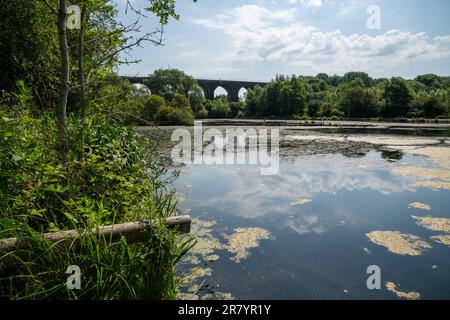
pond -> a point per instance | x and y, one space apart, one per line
342 200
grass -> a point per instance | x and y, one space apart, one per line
111 178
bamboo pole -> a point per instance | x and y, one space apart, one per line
132 231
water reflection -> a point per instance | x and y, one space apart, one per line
332 190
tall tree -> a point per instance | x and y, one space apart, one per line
397 97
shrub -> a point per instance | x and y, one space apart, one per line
151 106
111 178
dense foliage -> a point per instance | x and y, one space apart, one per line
110 178
354 95
82 169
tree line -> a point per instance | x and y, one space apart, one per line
354 95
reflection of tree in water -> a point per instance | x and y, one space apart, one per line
354 152
391 155
290 149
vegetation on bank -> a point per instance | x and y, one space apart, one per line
354 95
68 162
110 178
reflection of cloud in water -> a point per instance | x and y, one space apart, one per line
251 195
305 224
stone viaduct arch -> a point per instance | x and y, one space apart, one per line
232 87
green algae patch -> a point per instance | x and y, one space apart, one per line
191 259
300 202
212 258
419 205
197 273
187 296
399 243
434 224
439 155
217 295
435 179
244 239
206 243
442 239
435 185
393 141
425 173
411 295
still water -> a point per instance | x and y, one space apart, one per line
341 202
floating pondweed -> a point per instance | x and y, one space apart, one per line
432 223
244 239
435 185
217 295
190 259
419 205
198 272
300 202
443 239
425 173
436 178
212 258
206 245
412 295
186 296
439 155
399 243
392 141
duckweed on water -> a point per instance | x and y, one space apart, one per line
398 243
244 239
187 296
212 258
436 178
419 205
218 296
300 202
432 223
239 244
435 185
197 273
412 295
425 173
443 239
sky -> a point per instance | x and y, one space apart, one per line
258 39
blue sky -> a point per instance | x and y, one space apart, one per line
257 39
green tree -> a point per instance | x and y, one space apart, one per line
180 101
168 82
218 108
28 42
255 102
299 95
351 76
358 102
427 105
151 106
397 97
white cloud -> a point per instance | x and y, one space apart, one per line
308 3
258 33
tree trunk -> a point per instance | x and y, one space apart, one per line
81 72
64 83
